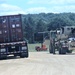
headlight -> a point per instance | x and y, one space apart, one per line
3 50
24 48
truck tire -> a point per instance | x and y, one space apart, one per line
23 55
51 49
60 51
69 51
3 56
64 50
26 55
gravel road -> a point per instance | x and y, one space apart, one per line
39 63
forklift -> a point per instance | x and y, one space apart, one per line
42 48
39 38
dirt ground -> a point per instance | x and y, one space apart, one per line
39 63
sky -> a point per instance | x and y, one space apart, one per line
8 7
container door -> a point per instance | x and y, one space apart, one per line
19 32
15 28
4 29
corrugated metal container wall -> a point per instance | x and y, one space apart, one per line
11 28
15 23
4 29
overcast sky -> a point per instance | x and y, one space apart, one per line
36 6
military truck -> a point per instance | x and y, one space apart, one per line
62 40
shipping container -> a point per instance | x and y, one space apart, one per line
11 36
11 28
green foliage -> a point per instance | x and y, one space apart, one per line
41 26
46 22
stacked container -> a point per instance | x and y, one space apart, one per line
11 28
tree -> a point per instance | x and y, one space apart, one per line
58 22
41 26
45 22
29 29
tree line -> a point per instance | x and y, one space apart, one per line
42 22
